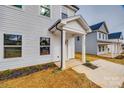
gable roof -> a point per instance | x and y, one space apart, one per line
75 6
62 22
96 26
116 35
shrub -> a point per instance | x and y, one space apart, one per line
7 72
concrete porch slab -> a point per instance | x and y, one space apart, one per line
70 63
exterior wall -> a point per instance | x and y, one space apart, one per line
102 52
91 43
105 36
68 11
28 23
103 29
117 44
78 44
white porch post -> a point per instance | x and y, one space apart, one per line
63 49
113 50
83 49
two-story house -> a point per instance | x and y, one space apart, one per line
100 42
37 34
96 41
117 38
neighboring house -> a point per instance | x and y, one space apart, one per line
97 42
31 34
117 38
123 48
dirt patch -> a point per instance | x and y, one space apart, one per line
90 65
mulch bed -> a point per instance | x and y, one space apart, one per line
9 74
88 64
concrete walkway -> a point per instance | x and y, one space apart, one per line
107 75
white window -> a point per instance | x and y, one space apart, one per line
18 6
99 48
78 38
106 36
103 48
64 13
99 35
44 46
45 10
12 46
103 36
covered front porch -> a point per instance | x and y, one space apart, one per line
108 49
69 29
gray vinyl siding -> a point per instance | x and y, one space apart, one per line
91 43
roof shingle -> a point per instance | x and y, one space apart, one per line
116 35
96 26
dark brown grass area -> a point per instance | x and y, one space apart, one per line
50 78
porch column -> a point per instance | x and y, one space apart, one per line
83 49
63 49
113 50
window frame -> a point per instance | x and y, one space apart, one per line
99 35
106 37
46 46
11 46
65 14
103 36
78 38
50 10
99 48
103 48
18 7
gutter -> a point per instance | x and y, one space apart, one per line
61 43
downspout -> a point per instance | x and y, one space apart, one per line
61 43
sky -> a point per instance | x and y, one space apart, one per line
113 15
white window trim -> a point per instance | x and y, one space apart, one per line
46 46
46 17
99 35
13 46
13 7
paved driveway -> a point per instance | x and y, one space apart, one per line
107 74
